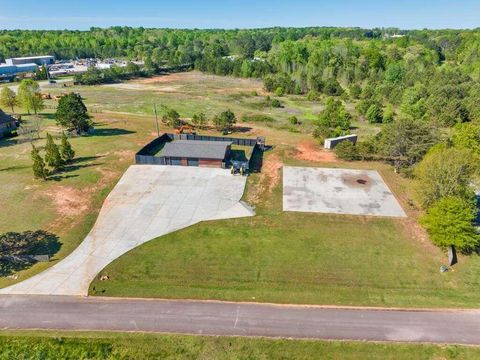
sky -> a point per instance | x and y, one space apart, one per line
83 14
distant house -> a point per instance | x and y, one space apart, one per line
196 153
7 124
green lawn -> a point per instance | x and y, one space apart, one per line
79 346
294 258
68 205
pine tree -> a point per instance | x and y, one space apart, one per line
39 170
66 149
52 154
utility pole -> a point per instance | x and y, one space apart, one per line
156 119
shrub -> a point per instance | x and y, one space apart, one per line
313 95
259 118
374 114
333 88
355 91
279 91
365 149
346 151
293 120
276 103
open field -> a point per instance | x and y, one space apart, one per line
276 256
298 257
83 345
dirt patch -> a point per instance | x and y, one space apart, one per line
309 151
124 155
167 78
269 177
68 201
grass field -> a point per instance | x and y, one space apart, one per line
296 258
278 257
68 205
78 346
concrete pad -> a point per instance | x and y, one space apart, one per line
149 201
338 191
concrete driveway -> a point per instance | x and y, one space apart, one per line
148 201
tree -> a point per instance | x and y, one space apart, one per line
405 141
389 114
374 114
170 117
346 150
366 149
414 101
444 172
333 88
132 69
467 136
449 222
8 98
52 154
225 120
334 120
16 249
39 170
29 96
355 91
199 120
72 114
66 150
395 73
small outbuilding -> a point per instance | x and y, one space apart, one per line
196 153
332 142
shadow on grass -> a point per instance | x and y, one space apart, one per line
57 177
16 167
75 164
111 132
241 129
17 249
8 141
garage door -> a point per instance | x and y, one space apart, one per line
192 162
175 161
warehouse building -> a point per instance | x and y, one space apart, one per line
196 153
12 70
38 60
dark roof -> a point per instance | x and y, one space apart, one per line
4 118
196 149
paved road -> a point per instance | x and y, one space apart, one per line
222 318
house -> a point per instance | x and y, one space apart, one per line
7 124
196 153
